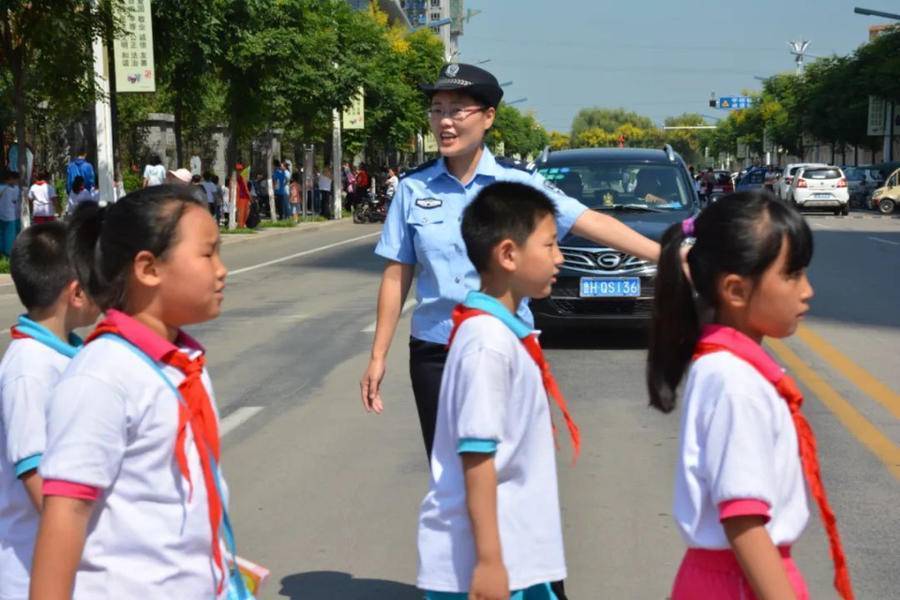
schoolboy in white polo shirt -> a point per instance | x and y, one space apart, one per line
42 346
490 526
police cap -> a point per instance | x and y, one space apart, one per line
470 79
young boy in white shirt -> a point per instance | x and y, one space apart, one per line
41 348
490 527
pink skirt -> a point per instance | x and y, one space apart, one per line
716 574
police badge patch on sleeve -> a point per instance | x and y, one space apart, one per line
429 202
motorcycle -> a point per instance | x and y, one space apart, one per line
372 209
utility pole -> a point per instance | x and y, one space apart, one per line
104 124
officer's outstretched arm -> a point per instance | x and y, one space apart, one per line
607 230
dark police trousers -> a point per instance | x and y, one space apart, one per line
426 367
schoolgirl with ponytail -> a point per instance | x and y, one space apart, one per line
727 279
133 498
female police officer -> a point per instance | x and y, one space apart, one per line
423 228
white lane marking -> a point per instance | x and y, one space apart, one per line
237 418
883 241
299 254
408 305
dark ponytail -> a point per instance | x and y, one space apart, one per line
103 242
740 234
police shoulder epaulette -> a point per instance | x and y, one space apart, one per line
510 163
425 165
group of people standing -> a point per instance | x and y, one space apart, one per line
110 478
44 203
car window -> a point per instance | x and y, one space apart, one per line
606 186
854 174
821 174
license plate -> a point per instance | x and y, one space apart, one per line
610 287
821 195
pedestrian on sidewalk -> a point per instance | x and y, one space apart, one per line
10 211
42 199
295 193
226 201
740 501
80 166
490 524
422 230
43 343
154 172
242 202
280 179
132 427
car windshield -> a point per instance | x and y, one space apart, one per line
622 186
821 174
854 174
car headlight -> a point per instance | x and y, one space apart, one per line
877 193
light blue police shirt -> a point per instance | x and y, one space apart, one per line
423 227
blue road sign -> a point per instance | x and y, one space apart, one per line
735 102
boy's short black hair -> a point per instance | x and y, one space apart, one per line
503 210
40 266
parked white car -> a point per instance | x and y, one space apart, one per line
783 185
822 188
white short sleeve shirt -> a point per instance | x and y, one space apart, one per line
492 391
42 196
112 424
28 373
154 174
738 442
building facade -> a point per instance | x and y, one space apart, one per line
422 13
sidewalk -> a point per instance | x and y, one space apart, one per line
266 232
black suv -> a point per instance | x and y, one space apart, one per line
646 189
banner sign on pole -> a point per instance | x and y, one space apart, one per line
355 114
877 115
133 50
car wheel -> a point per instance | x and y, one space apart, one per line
837 212
845 210
886 206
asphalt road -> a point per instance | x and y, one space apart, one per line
327 496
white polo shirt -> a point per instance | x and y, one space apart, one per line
112 424
42 196
738 443
28 373
492 393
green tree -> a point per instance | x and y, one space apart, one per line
520 133
607 119
689 143
186 44
46 47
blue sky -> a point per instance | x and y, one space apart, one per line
658 58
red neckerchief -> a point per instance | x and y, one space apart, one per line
15 334
463 312
195 411
716 338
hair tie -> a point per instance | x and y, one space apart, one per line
687 226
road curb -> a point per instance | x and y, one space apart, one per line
229 239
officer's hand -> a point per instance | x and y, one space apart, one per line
370 386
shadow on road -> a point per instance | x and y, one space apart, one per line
594 337
328 585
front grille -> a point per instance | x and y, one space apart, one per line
603 307
604 261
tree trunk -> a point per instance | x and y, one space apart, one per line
231 158
178 112
270 140
18 74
